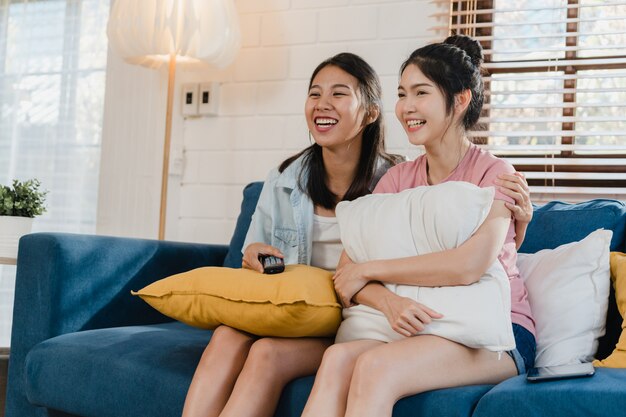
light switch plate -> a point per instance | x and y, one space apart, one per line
189 102
208 99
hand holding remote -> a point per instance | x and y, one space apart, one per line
251 255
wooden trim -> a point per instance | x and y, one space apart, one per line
577 183
572 27
8 261
579 66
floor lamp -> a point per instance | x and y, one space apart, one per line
153 32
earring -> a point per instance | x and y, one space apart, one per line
311 141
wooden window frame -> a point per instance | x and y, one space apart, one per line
570 55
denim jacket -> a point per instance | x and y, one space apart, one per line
284 213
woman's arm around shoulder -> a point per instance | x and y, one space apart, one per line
515 186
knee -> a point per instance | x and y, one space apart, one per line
264 355
225 334
336 358
373 367
228 340
231 344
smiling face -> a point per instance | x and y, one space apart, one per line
333 109
421 108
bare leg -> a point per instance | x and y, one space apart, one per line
395 370
271 364
217 372
330 391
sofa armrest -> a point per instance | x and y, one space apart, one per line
67 283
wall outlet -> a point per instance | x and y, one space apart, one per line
189 102
208 99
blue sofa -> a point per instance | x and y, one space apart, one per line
83 346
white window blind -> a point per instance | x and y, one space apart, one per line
52 79
556 90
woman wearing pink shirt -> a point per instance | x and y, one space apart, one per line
440 97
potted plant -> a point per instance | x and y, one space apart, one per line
19 204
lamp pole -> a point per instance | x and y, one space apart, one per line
166 143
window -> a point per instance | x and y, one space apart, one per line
52 78
556 91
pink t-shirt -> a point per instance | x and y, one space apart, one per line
480 168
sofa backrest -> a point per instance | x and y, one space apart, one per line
250 197
553 224
557 223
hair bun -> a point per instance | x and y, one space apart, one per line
471 47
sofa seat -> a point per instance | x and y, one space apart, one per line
146 370
601 395
116 372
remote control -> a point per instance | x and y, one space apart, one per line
271 264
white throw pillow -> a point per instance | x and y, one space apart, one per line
416 222
568 290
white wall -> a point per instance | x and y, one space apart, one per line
260 118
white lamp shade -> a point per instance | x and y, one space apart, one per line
148 32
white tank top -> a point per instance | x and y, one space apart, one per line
327 247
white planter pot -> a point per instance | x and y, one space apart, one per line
12 228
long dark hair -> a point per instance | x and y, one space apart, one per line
372 147
455 66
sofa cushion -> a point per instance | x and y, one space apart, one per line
556 223
617 359
601 395
146 371
450 402
568 291
298 302
250 197
117 372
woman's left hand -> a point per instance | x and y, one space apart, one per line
516 187
349 279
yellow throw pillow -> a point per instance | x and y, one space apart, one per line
617 359
296 303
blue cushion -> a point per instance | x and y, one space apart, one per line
146 371
452 402
602 395
118 372
556 223
250 197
